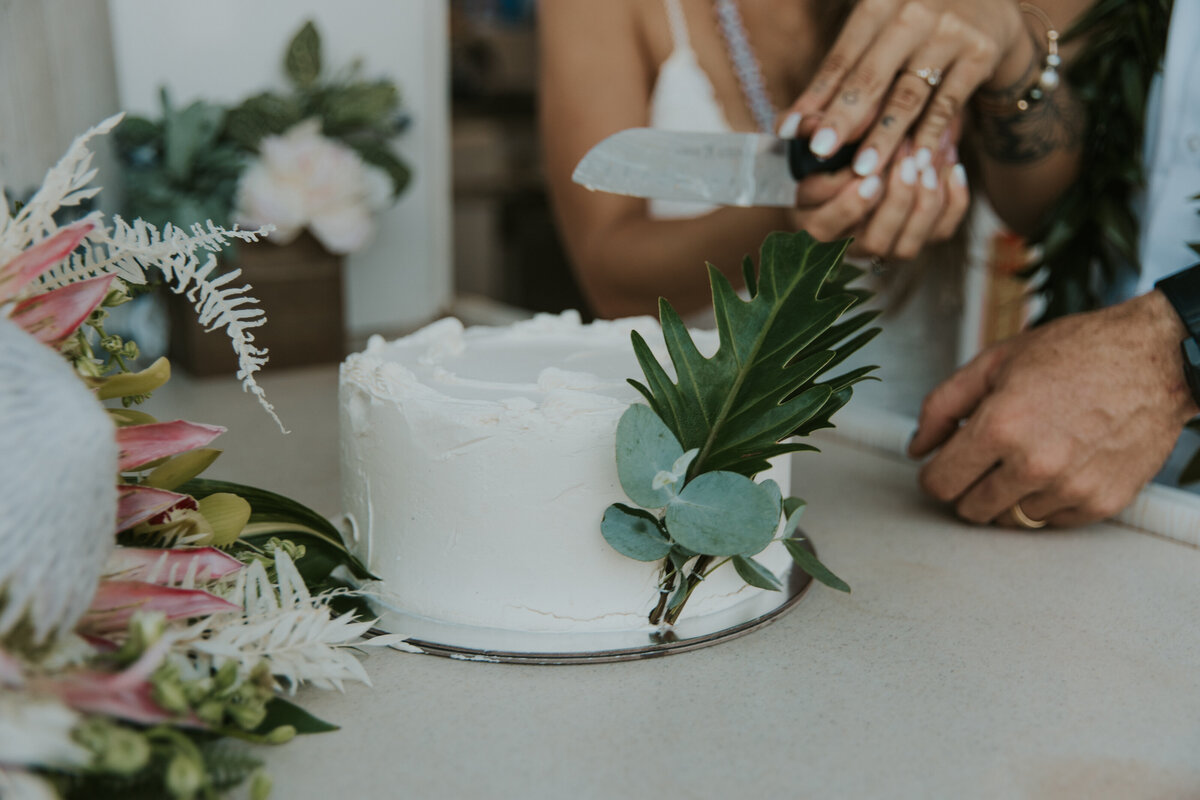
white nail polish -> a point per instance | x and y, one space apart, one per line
960 175
929 178
924 158
824 142
790 124
908 171
866 161
869 188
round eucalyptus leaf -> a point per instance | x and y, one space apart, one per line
723 514
645 447
634 533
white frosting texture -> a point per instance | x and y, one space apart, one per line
477 464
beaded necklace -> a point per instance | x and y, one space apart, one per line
745 64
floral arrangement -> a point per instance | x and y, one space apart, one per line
688 458
147 616
318 157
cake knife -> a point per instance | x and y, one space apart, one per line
732 169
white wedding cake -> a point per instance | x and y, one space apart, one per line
477 465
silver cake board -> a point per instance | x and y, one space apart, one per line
493 645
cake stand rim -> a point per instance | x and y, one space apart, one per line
642 644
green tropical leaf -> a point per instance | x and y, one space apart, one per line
285 712
273 515
756 574
760 386
807 560
634 533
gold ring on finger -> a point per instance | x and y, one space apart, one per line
931 75
1024 520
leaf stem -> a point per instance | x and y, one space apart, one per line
693 580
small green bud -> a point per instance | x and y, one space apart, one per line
226 676
260 786
170 696
130 350
127 752
112 343
211 711
281 735
184 776
197 690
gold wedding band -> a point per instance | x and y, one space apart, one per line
1024 520
931 75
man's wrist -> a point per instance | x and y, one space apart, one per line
1167 331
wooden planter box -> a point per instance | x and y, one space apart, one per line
299 285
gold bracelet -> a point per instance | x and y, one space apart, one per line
1048 80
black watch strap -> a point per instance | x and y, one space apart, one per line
1183 291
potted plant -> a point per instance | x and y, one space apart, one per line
314 162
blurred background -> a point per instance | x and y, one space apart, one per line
470 231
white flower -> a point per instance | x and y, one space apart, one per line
303 179
37 732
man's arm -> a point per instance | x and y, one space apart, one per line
1070 420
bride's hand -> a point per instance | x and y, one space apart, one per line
892 215
906 64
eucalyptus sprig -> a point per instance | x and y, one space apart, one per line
688 458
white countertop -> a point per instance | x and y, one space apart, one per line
968 662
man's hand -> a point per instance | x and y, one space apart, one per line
1070 420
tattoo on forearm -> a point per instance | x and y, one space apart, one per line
1014 136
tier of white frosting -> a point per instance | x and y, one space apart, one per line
477 464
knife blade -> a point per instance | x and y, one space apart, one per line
732 169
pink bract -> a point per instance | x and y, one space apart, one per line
141 444
18 272
117 600
52 317
137 504
168 566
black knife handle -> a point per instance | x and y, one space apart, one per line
802 162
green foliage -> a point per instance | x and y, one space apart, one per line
1090 241
760 387
634 533
362 114
756 574
179 169
302 61
724 514
274 516
732 411
184 168
284 712
807 561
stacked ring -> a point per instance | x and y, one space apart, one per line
931 75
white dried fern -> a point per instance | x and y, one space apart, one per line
282 623
186 259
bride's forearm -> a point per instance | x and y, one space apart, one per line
626 266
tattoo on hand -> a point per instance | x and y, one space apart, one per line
888 120
850 97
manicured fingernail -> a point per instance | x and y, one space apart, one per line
869 188
960 175
929 178
866 162
908 171
790 124
824 142
924 158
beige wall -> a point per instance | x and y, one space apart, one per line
56 79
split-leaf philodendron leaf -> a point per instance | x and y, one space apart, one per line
761 387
